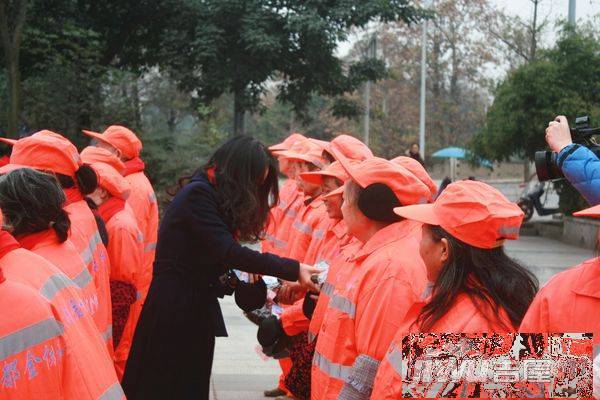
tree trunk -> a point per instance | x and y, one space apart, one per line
11 44
14 95
239 122
136 103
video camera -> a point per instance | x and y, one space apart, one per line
546 162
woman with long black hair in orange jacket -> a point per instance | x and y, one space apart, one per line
224 203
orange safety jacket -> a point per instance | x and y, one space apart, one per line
322 237
142 200
66 258
463 317
85 237
93 375
569 302
307 229
338 246
126 253
381 282
281 218
31 346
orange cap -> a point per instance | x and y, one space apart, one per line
309 150
407 188
120 138
350 147
334 170
46 151
593 212
111 180
337 192
472 212
287 142
417 170
93 154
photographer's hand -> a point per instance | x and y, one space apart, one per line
558 134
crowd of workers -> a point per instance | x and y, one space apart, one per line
76 254
403 258
395 256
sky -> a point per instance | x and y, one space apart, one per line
554 10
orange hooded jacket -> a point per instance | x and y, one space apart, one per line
66 258
363 313
569 302
86 239
463 317
282 217
126 251
32 323
92 374
142 200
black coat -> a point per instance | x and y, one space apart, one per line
171 354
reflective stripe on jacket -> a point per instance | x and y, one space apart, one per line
95 375
463 317
380 283
126 253
86 239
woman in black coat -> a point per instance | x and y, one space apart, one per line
198 242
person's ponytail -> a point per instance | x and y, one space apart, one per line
87 180
62 225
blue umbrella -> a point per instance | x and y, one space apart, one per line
459 152
451 152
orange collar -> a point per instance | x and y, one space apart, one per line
39 239
588 283
387 235
339 229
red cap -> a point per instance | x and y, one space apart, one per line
350 147
288 142
472 212
593 212
407 188
46 151
111 180
334 170
93 154
120 138
417 170
309 150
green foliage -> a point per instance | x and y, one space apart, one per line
219 47
563 80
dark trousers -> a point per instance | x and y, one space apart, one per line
172 351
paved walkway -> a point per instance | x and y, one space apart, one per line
239 373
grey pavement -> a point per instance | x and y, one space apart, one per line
240 373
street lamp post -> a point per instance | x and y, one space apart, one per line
423 89
572 9
371 53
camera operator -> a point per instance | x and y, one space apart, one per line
579 164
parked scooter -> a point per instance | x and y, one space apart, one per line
536 199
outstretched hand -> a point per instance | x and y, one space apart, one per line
304 277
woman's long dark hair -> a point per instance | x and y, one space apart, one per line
244 197
490 278
32 201
86 180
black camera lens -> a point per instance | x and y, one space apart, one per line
546 166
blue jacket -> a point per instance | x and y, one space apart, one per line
581 167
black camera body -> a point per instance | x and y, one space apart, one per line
546 162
